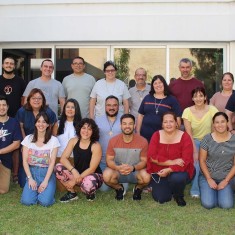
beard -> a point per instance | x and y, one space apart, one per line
8 72
128 133
111 115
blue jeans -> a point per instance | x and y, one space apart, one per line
195 187
32 197
164 187
105 187
211 198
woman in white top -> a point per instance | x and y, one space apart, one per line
105 87
65 129
39 154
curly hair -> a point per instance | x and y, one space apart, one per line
77 117
91 123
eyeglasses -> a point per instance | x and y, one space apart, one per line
110 71
111 105
76 64
36 98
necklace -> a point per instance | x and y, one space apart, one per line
111 126
157 105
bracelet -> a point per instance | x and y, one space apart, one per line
71 169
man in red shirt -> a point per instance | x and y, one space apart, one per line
182 87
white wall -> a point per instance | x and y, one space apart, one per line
107 21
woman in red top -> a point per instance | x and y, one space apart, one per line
170 161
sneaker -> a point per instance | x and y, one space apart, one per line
15 179
180 201
69 196
137 194
90 197
120 193
195 196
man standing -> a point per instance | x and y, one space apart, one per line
10 137
182 87
126 160
51 88
139 91
12 87
78 85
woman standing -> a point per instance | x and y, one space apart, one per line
85 172
220 99
65 129
217 162
154 106
105 87
39 154
170 161
198 123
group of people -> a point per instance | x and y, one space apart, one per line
154 136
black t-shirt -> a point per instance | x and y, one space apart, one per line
13 89
82 158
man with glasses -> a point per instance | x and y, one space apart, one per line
139 91
51 88
109 126
79 84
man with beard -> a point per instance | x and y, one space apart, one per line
12 87
182 87
109 126
10 137
126 160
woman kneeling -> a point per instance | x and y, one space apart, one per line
86 172
39 154
170 161
217 163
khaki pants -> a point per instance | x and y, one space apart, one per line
60 187
5 176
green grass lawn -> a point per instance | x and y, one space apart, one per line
105 215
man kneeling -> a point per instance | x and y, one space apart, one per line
126 160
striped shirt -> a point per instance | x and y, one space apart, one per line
220 156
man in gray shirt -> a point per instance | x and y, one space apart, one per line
78 85
51 88
139 91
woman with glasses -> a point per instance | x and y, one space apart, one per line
105 87
36 102
170 161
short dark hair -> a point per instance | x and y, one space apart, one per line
199 90
127 115
220 114
79 57
108 63
112 97
10 57
162 79
229 74
91 123
169 113
2 97
63 118
48 61
48 130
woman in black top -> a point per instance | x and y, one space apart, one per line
87 153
